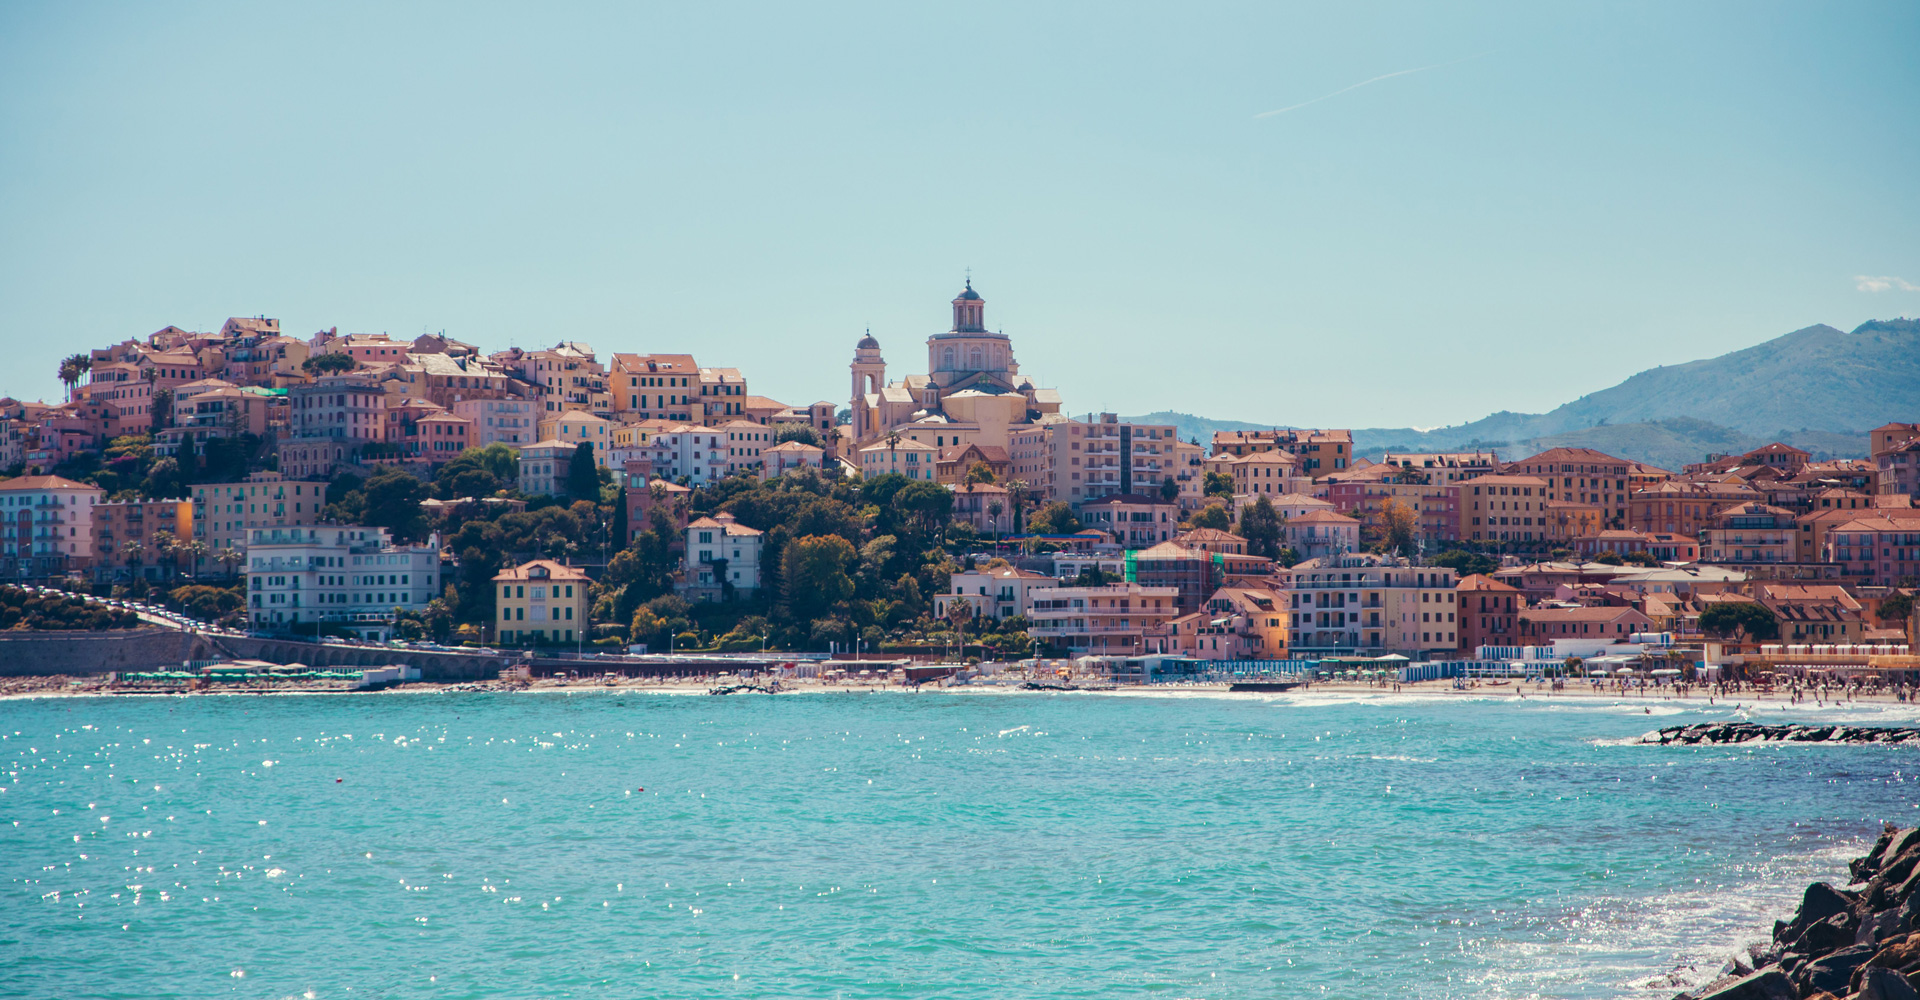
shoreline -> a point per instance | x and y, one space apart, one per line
1859 939
70 686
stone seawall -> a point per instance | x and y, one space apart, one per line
41 654
433 666
31 654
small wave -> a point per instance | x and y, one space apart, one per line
1664 942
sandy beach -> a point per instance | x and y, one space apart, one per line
59 686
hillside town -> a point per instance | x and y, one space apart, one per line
361 486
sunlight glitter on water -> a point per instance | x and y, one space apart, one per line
819 845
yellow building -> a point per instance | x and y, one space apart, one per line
578 427
541 601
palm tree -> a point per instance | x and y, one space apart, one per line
231 559
71 368
133 551
1017 492
994 508
167 546
197 552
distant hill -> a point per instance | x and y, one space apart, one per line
1816 378
1816 388
1669 444
1192 428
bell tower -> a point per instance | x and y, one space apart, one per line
869 377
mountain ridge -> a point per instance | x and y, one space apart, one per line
1833 386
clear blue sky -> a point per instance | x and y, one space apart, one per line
1563 194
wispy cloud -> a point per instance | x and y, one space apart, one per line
1883 283
1363 83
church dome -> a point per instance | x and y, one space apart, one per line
867 343
969 295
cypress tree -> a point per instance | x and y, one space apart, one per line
583 480
620 529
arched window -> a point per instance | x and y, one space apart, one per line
946 360
974 361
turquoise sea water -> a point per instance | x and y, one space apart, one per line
893 845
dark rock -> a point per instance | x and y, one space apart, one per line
1877 927
1908 889
1885 984
1792 960
1901 954
1747 732
1833 972
1831 934
1818 903
1861 868
1908 914
1768 985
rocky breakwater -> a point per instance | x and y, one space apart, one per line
1858 942
1748 732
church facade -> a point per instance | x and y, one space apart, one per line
971 394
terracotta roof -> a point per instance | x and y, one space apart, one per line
1586 614
1483 582
987 452
725 523
1322 517
1169 550
1503 479
553 570
1128 498
44 483
1587 455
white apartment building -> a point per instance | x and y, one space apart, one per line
349 576
500 421
1076 461
1000 592
778 459
1134 521
720 545
543 467
697 453
46 527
